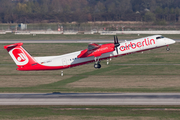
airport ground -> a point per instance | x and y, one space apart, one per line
151 71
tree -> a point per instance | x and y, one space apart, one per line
21 8
85 10
149 16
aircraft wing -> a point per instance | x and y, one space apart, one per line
93 46
96 50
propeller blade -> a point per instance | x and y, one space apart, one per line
114 40
116 43
116 50
117 39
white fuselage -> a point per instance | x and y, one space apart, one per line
126 47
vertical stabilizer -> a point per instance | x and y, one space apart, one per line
20 56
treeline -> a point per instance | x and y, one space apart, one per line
33 11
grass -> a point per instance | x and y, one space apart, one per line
89 112
127 81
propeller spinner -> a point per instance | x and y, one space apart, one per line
116 43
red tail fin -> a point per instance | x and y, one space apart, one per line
20 56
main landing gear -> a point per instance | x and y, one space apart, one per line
168 49
97 64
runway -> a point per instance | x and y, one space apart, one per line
90 99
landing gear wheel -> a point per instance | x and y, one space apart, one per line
97 66
168 49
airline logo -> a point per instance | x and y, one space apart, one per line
145 42
19 56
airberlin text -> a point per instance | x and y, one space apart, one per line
145 42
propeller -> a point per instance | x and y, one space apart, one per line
116 43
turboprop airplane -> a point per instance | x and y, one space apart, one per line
94 53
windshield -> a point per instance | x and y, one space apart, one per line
160 37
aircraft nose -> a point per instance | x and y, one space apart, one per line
171 41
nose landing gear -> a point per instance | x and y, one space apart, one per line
168 49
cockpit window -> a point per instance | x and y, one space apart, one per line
160 37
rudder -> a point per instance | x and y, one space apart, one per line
20 56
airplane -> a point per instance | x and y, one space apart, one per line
94 53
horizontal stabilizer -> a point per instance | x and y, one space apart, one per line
11 46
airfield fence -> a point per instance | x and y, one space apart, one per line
77 29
